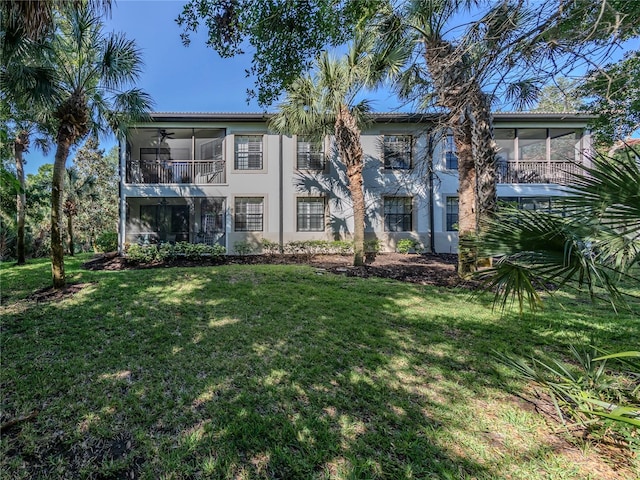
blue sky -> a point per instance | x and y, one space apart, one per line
185 79
179 78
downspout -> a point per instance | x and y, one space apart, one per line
432 241
280 196
120 200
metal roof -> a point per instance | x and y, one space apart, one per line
378 117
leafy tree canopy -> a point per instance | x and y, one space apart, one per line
614 96
285 36
560 96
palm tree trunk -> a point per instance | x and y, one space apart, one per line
451 79
467 215
20 145
348 140
70 233
57 192
485 151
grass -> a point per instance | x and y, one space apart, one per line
280 372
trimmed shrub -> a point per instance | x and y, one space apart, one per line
269 247
142 253
372 246
406 245
243 248
310 248
167 251
107 242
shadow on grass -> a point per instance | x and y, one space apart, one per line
262 371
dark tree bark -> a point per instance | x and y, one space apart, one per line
451 81
484 151
21 145
467 214
73 116
70 234
64 143
348 141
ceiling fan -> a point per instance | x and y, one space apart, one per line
164 134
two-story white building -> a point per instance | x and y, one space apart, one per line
226 178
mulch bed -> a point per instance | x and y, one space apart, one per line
425 269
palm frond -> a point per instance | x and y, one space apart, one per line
128 107
511 281
121 62
523 93
610 191
536 249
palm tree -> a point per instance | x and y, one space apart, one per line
78 189
21 144
36 19
596 241
325 103
458 67
92 70
449 73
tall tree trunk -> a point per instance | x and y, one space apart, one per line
485 150
467 182
73 116
348 140
70 234
20 146
450 78
64 142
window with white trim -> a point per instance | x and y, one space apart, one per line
398 214
249 214
310 154
310 214
450 153
397 152
452 214
248 152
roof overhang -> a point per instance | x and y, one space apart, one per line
241 117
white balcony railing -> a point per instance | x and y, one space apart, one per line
207 172
558 172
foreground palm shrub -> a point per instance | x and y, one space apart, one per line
605 401
591 241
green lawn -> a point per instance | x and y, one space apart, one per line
274 371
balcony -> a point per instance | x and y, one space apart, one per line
557 172
196 172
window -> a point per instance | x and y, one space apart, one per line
208 144
532 144
398 214
166 220
505 143
535 203
545 204
248 152
452 214
450 155
249 214
397 152
212 215
310 154
180 219
310 214
564 144
149 217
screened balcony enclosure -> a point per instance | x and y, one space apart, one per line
176 155
159 220
538 155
